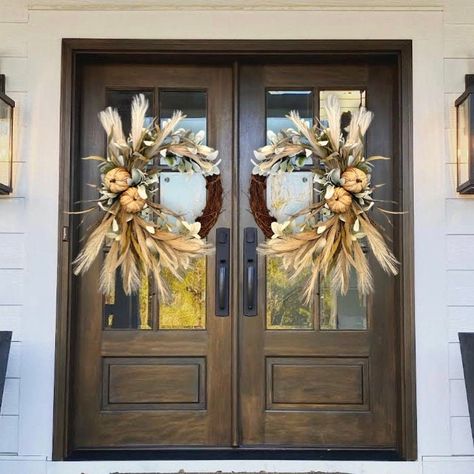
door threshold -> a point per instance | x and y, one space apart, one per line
297 454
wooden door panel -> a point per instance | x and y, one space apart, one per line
352 430
139 430
162 343
315 387
317 383
138 385
154 383
339 343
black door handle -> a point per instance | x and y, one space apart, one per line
222 271
221 287
250 284
250 271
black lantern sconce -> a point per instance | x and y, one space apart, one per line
6 139
465 138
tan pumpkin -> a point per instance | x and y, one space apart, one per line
355 180
340 201
116 180
131 201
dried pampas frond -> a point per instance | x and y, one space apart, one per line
333 249
138 248
333 112
112 124
139 108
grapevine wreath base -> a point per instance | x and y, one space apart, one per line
258 204
213 207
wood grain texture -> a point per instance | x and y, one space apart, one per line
156 387
148 383
316 383
377 424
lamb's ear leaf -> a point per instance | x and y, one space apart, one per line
377 157
95 158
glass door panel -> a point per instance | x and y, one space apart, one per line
287 194
121 311
184 194
338 311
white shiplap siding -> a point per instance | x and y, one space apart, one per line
13 63
459 60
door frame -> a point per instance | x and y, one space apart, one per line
74 53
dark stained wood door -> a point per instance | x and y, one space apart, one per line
322 375
148 374
154 375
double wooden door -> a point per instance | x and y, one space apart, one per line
270 371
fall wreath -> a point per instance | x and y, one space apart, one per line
143 237
329 237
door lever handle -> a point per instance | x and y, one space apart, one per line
221 286
250 284
250 271
222 271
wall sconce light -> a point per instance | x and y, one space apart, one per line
6 139
465 138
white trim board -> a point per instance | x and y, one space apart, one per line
257 5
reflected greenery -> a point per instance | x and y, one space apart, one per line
285 308
186 308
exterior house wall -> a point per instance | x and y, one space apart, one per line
443 51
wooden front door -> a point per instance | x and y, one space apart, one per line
150 374
322 374
274 372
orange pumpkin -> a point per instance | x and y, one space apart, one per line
355 180
131 201
340 201
116 180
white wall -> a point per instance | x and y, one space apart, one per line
443 47
459 60
13 60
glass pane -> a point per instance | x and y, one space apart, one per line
186 308
127 312
185 194
192 103
463 142
5 142
342 311
281 102
287 194
347 311
122 100
350 101
122 311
